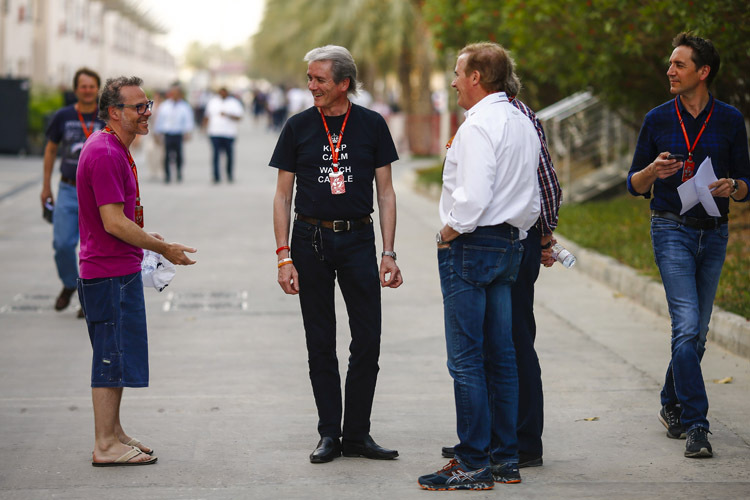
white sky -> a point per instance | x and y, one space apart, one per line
226 22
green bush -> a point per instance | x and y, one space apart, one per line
42 103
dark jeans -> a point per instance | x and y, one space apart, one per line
476 274
322 257
225 144
530 397
172 147
116 320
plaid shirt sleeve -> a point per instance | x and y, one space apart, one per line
549 187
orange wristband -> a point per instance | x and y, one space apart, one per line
284 262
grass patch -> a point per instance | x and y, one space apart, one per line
430 175
619 228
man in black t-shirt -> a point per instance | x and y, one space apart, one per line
69 129
335 150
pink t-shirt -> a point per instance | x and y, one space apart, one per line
104 177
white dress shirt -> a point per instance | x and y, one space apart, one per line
174 117
490 169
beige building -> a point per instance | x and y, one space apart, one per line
48 40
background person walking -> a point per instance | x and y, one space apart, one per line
68 130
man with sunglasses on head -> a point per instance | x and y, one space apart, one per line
110 288
66 133
334 151
689 247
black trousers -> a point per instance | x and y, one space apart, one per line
530 398
172 148
323 257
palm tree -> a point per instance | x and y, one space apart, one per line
386 37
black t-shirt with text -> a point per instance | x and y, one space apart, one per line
303 149
66 130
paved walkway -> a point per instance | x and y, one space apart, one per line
230 410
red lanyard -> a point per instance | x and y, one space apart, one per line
335 151
132 164
86 130
690 148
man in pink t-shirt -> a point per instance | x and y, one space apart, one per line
110 288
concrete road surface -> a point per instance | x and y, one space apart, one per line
230 411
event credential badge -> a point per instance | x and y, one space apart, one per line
337 182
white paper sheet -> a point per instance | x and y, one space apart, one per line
695 190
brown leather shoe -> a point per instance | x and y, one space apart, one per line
63 300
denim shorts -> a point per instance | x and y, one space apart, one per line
116 319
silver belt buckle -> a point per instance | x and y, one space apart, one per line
340 226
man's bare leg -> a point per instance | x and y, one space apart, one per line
107 446
120 432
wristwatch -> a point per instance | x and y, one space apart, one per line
439 239
735 187
388 254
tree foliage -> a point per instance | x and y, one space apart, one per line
202 57
386 37
618 48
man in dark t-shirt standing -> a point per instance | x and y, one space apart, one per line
69 129
335 150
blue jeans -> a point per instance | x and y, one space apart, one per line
65 234
476 274
225 144
323 257
116 319
690 262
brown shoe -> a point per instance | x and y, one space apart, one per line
63 300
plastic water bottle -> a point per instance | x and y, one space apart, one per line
563 256
150 262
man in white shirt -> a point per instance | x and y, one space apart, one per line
223 114
490 199
174 123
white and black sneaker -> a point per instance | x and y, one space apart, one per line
669 416
697 445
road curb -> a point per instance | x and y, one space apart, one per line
729 330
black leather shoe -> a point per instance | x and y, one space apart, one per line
367 448
328 448
448 452
525 461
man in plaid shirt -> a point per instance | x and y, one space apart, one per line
536 251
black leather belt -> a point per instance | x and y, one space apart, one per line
694 222
337 225
70 182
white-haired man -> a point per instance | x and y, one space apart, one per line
334 150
